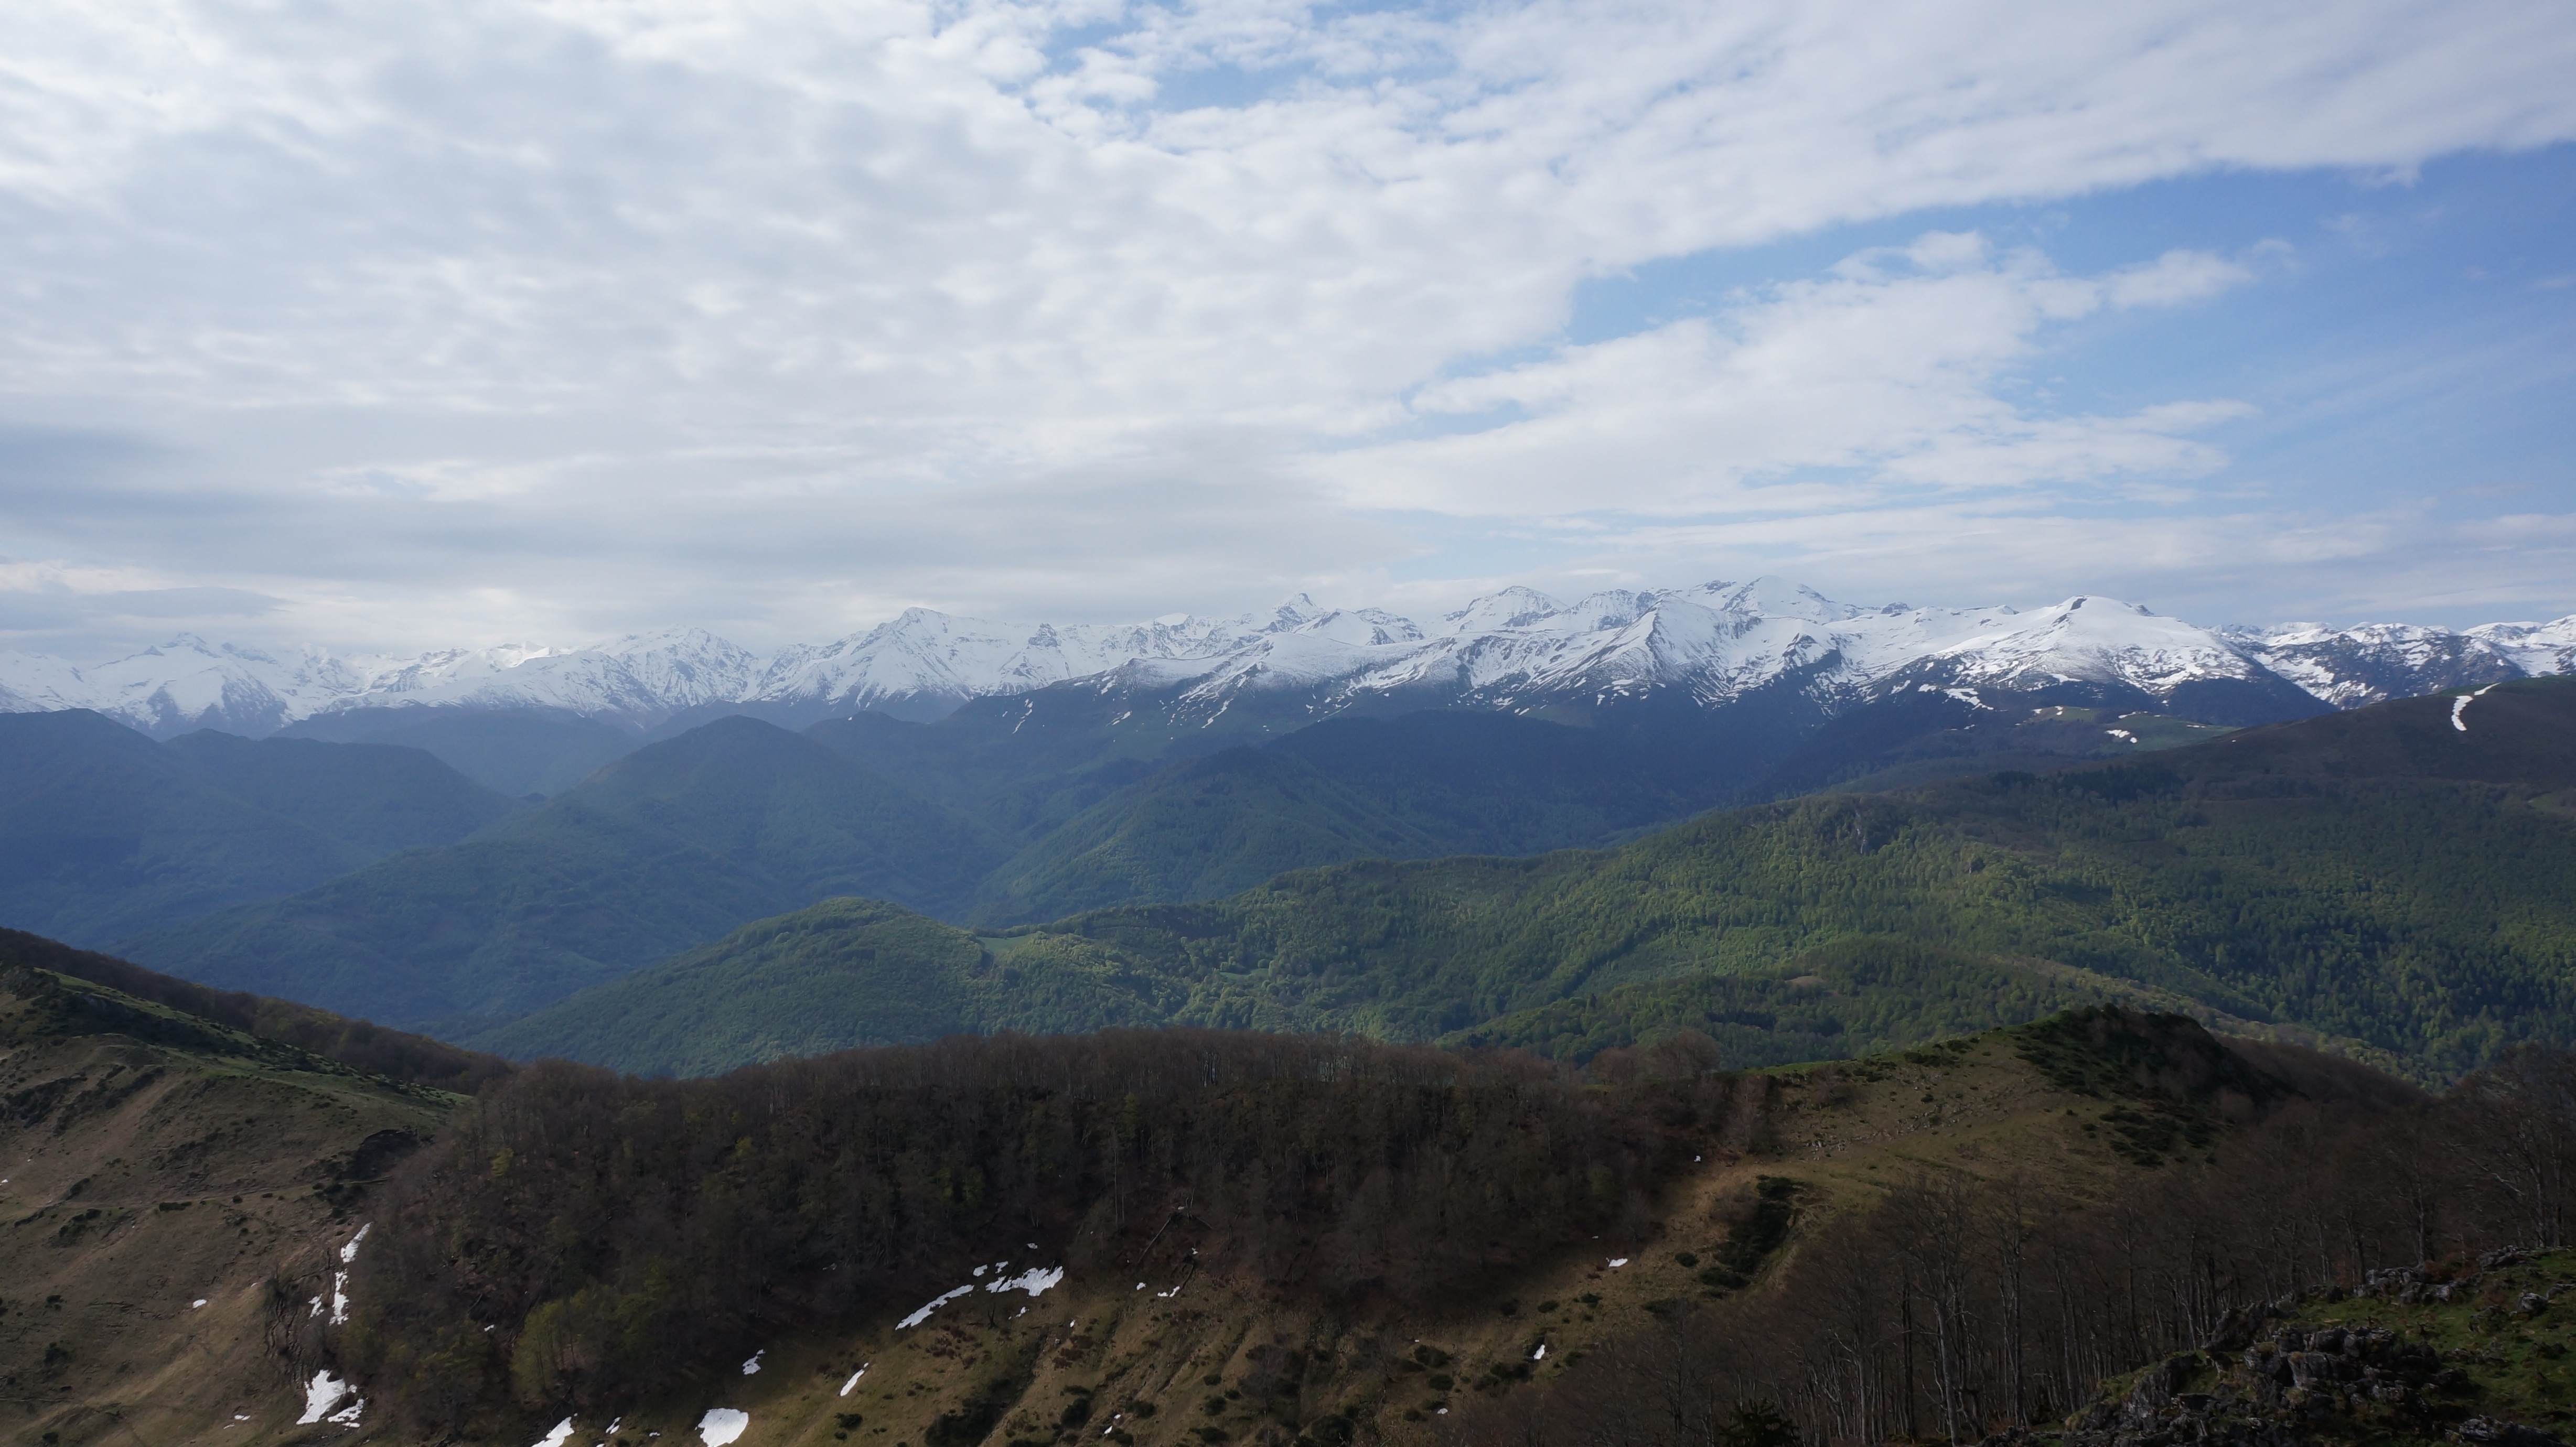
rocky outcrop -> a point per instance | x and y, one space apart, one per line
2262 1380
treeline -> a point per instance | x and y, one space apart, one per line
1962 1306
394 1053
580 1235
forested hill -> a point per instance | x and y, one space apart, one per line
2402 876
394 1054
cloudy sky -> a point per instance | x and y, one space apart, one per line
394 325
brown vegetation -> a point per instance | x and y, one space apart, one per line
1958 1305
580 1235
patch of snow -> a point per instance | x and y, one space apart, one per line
854 1379
556 1438
200 1301
1541 1354
2460 706
348 1416
340 1297
980 1270
753 1366
1618 1261
317 1307
1036 1281
722 1425
2123 735
349 1252
321 1395
918 1317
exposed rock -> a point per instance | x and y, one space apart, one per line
2258 1387
2494 1432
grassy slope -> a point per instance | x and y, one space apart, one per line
2377 876
105 834
155 1158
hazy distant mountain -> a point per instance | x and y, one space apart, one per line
104 833
1517 650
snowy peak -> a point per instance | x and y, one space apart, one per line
2096 640
2374 662
2535 648
1511 608
1771 597
639 679
1516 648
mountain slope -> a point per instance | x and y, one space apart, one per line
1416 786
105 834
181 1197
379 797
672 845
516 751
2383 877
1174 1238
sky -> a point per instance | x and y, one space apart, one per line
399 326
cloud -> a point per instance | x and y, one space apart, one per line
524 316
1882 375
49 597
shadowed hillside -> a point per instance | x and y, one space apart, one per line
105 834
2381 878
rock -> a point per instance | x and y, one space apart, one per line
2496 1432
2277 1388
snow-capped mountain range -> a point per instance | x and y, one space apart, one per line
1516 649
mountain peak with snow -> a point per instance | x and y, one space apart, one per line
1512 648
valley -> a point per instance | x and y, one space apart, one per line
1194 1237
1241 1069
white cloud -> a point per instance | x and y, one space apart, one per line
1885 371
509 300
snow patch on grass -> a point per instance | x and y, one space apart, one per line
1036 1281
918 1317
321 1395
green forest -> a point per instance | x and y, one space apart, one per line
2376 879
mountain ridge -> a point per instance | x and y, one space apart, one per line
2317 875
1516 649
